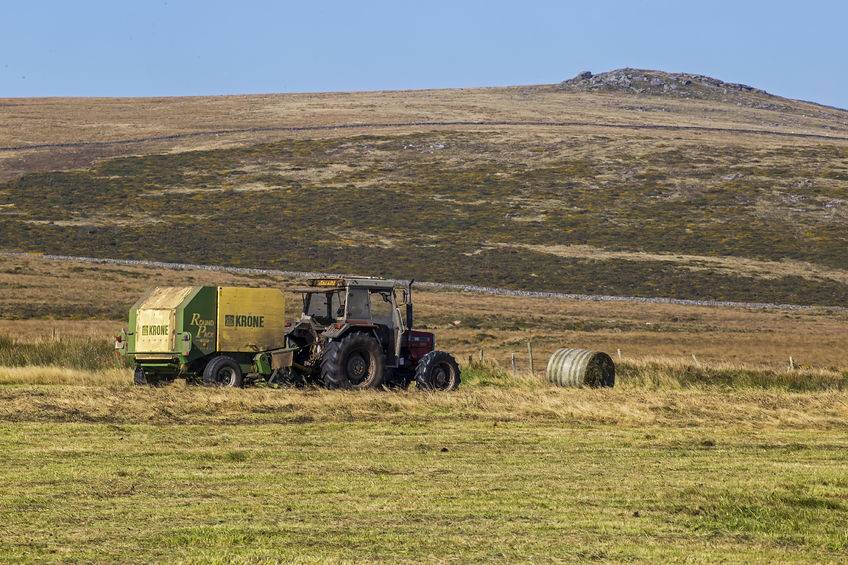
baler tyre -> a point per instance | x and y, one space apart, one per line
437 370
223 371
140 379
355 361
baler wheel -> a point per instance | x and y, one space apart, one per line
222 371
355 361
437 370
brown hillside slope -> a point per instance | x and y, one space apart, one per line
41 121
616 191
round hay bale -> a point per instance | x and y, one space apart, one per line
581 367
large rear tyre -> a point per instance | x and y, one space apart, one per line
437 370
355 361
223 371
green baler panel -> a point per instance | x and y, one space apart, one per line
197 317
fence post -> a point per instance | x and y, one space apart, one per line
530 356
514 370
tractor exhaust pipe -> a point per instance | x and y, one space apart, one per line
409 305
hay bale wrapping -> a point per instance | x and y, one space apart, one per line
581 367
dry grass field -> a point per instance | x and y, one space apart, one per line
40 296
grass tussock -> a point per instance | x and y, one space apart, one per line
80 380
70 353
657 373
648 393
660 373
52 375
88 361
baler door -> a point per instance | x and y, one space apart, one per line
155 331
156 320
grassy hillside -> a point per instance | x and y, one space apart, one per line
584 208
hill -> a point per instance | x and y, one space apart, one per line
704 190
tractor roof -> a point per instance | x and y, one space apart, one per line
338 283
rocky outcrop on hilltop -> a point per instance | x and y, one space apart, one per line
659 83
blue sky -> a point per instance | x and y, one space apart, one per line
185 47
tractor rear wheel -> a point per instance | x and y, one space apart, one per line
223 371
355 361
437 370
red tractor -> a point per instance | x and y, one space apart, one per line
352 334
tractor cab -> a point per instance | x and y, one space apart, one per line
367 312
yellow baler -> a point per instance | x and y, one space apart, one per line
214 334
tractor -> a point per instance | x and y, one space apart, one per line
352 334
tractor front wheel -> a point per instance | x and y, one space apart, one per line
437 370
355 361
222 371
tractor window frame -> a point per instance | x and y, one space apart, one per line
328 309
384 313
357 304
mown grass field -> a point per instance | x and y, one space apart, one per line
505 469
411 492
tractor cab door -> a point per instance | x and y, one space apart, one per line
385 316
358 306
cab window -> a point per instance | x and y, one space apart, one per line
358 304
324 306
382 311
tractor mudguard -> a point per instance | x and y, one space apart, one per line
337 331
